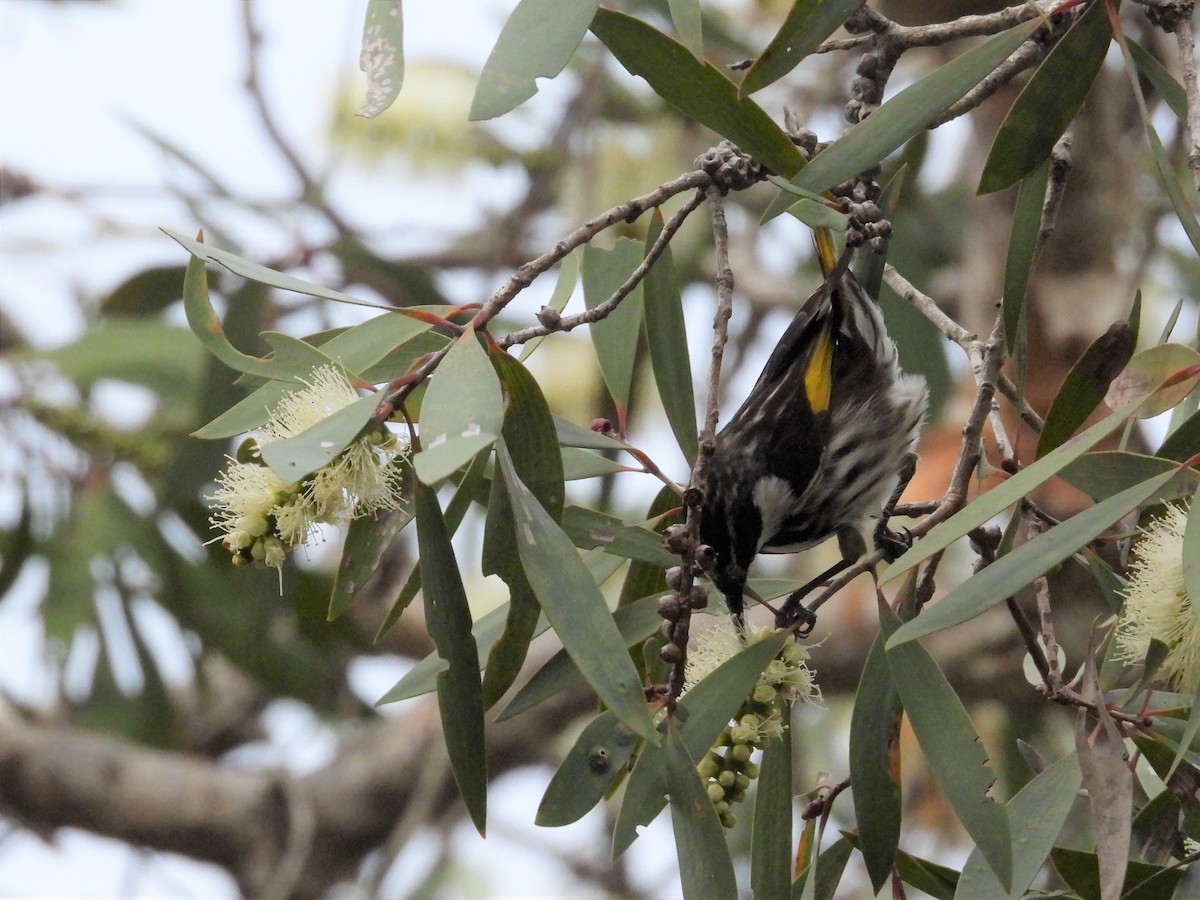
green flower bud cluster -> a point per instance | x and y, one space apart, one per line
727 769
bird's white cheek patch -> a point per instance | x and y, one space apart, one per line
775 501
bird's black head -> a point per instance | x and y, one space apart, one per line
731 526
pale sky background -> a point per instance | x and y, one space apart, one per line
73 77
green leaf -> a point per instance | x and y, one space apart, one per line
1040 809
466 492
816 214
448 618
808 23
528 436
703 712
935 880
905 115
1007 575
1143 881
1086 384
831 864
462 413
696 89
950 744
983 508
1164 82
206 325
297 457
1184 442
580 464
1103 473
382 56
634 622
356 349
615 337
1180 201
572 435
422 678
666 336
705 867
574 605
875 764
537 41
1164 375
254 272
1022 247
594 762
588 528
366 540
771 834
685 16
1048 102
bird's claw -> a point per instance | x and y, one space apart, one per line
892 544
794 614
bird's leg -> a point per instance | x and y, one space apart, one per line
852 546
893 544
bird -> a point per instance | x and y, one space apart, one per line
824 441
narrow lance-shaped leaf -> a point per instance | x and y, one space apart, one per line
1009 574
615 337
808 23
685 15
771 834
1086 384
537 41
696 89
467 489
705 867
448 618
952 747
591 766
1022 247
529 437
1048 102
634 622
666 335
1164 82
574 605
367 538
1180 201
994 501
297 457
206 325
1039 809
462 413
255 272
904 116
382 56
875 764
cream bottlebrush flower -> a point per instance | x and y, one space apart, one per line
788 675
1157 605
262 516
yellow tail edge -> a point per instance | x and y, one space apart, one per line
827 254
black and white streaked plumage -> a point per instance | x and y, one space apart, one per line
819 445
